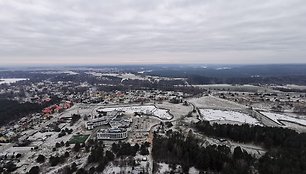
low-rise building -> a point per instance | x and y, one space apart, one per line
96 123
112 134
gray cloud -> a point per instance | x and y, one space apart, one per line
159 31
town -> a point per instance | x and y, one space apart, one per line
152 87
82 126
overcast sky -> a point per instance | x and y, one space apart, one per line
152 31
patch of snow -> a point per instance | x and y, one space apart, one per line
70 72
60 72
223 68
193 170
130 76
149 110
11 80
141 72
163 168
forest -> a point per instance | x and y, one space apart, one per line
12 110
187 152
286 149
236 74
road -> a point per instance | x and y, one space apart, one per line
150 140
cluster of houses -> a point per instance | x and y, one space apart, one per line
57 108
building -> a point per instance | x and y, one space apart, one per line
112 134
109 113
118 123
96 123
104 118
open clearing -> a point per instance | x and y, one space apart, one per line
212 102
231 116
239 88
177 110
11 80
283 119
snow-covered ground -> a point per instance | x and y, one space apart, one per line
16 150
252 149
116 169
124 76
11 80
177 110
163 168
230 87
120 166
223 68
141 72
40 136
292 86
282 119
46 141
232 116
193 170
262 106
130 76
60 72
212 102
150 110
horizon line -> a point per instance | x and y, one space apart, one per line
136 64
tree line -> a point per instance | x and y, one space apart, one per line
286 149
186 151
11 110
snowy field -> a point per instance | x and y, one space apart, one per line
124 76
11 80
229 87
130 76
232 116
59 72
282 119
215 103
291 86
177 110
150 110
